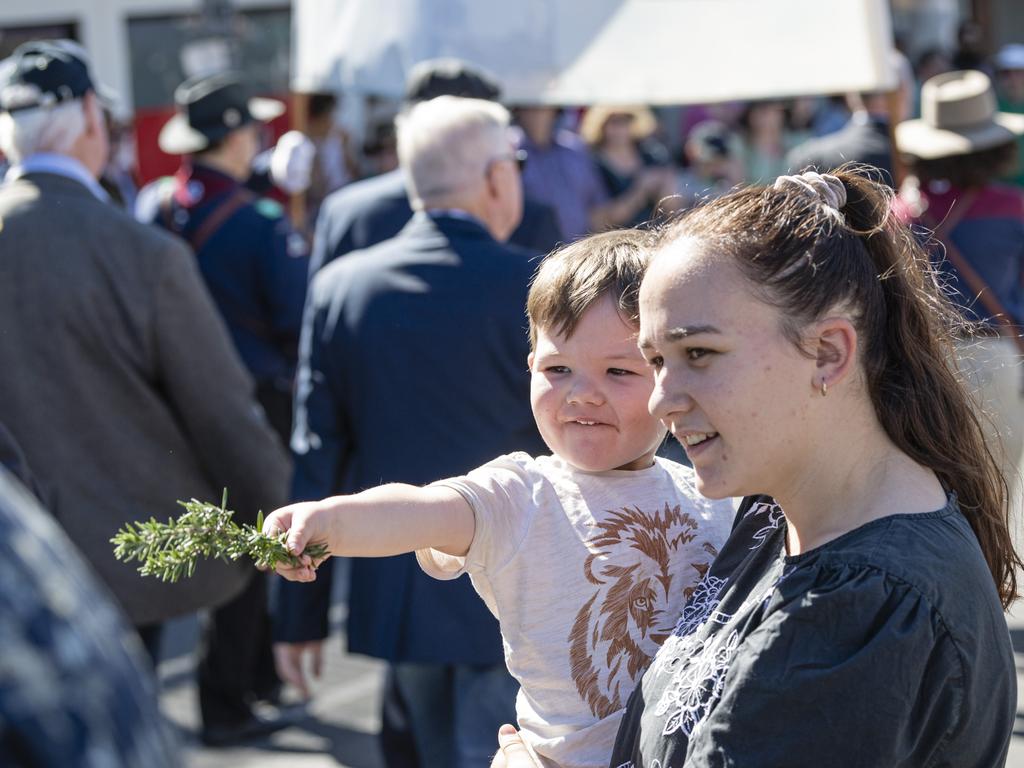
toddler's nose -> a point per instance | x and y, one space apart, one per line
584 392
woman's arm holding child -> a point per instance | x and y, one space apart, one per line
379 522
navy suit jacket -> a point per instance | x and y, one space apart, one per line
412 369
373 210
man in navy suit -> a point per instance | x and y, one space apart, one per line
373 210
413 368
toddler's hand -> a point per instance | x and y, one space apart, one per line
305 522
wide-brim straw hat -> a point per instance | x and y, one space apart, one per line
643 124
958 116
209 108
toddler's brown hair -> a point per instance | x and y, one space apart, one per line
573 277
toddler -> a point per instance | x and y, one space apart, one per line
587 556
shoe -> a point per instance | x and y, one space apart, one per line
246 730
272 695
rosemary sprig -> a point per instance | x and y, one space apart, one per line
169 550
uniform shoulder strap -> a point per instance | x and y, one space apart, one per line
219 215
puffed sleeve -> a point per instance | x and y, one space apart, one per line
855 670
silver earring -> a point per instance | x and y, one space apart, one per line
824 388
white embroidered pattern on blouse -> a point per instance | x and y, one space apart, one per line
775 515
697 667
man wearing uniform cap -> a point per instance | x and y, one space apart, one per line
254 263
255 266
122 385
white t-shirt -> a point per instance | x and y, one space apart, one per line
587 573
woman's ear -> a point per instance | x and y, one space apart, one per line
834 346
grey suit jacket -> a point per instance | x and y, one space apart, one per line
120 383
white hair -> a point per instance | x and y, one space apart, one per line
445 144
41 129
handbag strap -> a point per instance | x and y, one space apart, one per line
997 312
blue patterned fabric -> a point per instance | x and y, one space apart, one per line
75 691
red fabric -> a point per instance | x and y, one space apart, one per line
995 201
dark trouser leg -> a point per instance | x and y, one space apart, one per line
396 741
235 641
276 399
485 699
427 692
150 636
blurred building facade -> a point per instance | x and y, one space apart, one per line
143 49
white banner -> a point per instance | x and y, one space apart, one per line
602 51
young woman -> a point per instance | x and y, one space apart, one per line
855 616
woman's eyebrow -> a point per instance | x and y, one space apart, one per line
677 334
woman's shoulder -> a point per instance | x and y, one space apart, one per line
929 563
932 556
906 547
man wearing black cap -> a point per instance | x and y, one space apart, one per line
373 210
127 393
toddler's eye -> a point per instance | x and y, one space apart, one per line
620 372
557 369
696 353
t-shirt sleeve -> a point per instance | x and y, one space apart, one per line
858 670
502 494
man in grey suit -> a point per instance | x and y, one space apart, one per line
119 380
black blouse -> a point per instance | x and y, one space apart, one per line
884 647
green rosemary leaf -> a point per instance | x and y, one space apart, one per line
168 550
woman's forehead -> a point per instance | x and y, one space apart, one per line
687 263
687 286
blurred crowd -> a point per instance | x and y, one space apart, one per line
156 345
626 164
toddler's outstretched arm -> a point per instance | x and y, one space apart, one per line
379 522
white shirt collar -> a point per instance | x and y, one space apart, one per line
59 165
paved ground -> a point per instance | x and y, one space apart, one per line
338 727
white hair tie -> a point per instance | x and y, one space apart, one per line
823 187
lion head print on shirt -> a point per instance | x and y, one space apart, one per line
643 567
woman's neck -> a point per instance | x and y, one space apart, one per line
859 477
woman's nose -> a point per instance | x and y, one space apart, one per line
668 396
